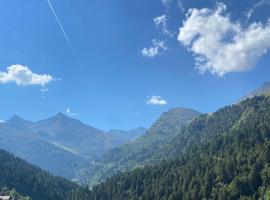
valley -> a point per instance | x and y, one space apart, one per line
202 156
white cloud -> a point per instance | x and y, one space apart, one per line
220 45
1 121
156 100
161 22
259 4
22 75
155 49
69 112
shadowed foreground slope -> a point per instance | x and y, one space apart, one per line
31 181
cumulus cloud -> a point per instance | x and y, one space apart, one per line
161 22
155 49
156 100
22 75
259 4
220 45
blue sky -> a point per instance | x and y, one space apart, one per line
126 68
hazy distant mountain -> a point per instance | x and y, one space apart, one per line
263 90
20 137
72 135
59 144
142 151
129 135
19 123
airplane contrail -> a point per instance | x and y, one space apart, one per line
62 28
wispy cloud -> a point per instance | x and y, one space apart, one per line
156 100
166 2
181 6
257 5
22 75
153 51
44 91
220 45
1 121
161 22
61 27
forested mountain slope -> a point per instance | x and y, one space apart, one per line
227 158
31 181
142 151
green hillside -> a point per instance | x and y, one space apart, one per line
31 181
227 156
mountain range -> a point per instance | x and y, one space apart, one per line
184 155
59 144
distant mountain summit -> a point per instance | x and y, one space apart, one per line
58 118
173 120
72 134
19 123
16 120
